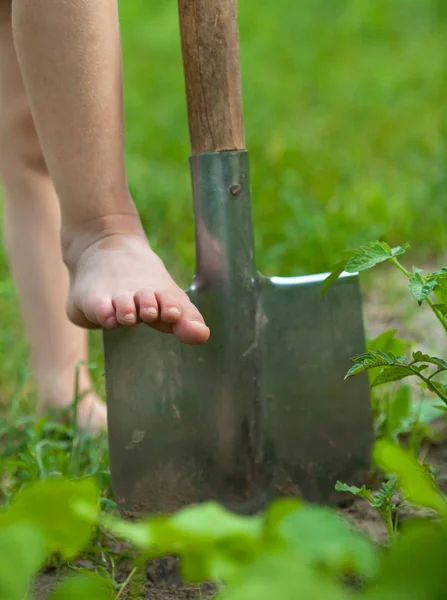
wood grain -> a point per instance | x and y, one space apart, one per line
210 49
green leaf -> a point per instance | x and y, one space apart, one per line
362 492
212 542
369 256
388 342
418 356
390 374
22 554
327 540
398 250
399 410
420 288
283 576
370 360
437 274
441 289
441 387
336 271
50 506
275 513
361 259
417 485
414 567
87 585
442 308
440 279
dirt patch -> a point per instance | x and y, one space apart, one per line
163 582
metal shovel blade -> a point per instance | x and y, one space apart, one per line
261 410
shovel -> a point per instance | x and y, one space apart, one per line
262 410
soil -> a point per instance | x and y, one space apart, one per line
382 310
163 581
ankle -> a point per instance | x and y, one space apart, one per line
75 239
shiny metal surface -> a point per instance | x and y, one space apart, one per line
262 409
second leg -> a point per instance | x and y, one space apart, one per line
32 237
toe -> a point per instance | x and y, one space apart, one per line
191 329
105 313
147 306
170 309
126 311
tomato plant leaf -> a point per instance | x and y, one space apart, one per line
419 356
362 492
441 289
399 410
388 342
418 486
367 257
392 373
361 259
420 288
438 273
336 270
335 273
370 360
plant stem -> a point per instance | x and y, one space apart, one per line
430 385
430 302
401 267
126 583
436 373
388 522
437 313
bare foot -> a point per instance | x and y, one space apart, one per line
117 280
91 413
57 398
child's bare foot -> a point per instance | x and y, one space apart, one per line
117 280
57 397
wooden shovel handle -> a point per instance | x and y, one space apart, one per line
210 48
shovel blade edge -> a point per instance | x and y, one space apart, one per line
241 425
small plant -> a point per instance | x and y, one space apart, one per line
390 365
386 363
382 500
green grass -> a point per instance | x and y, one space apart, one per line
345 122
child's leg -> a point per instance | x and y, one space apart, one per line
32 224
70 55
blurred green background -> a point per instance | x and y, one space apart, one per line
345 116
